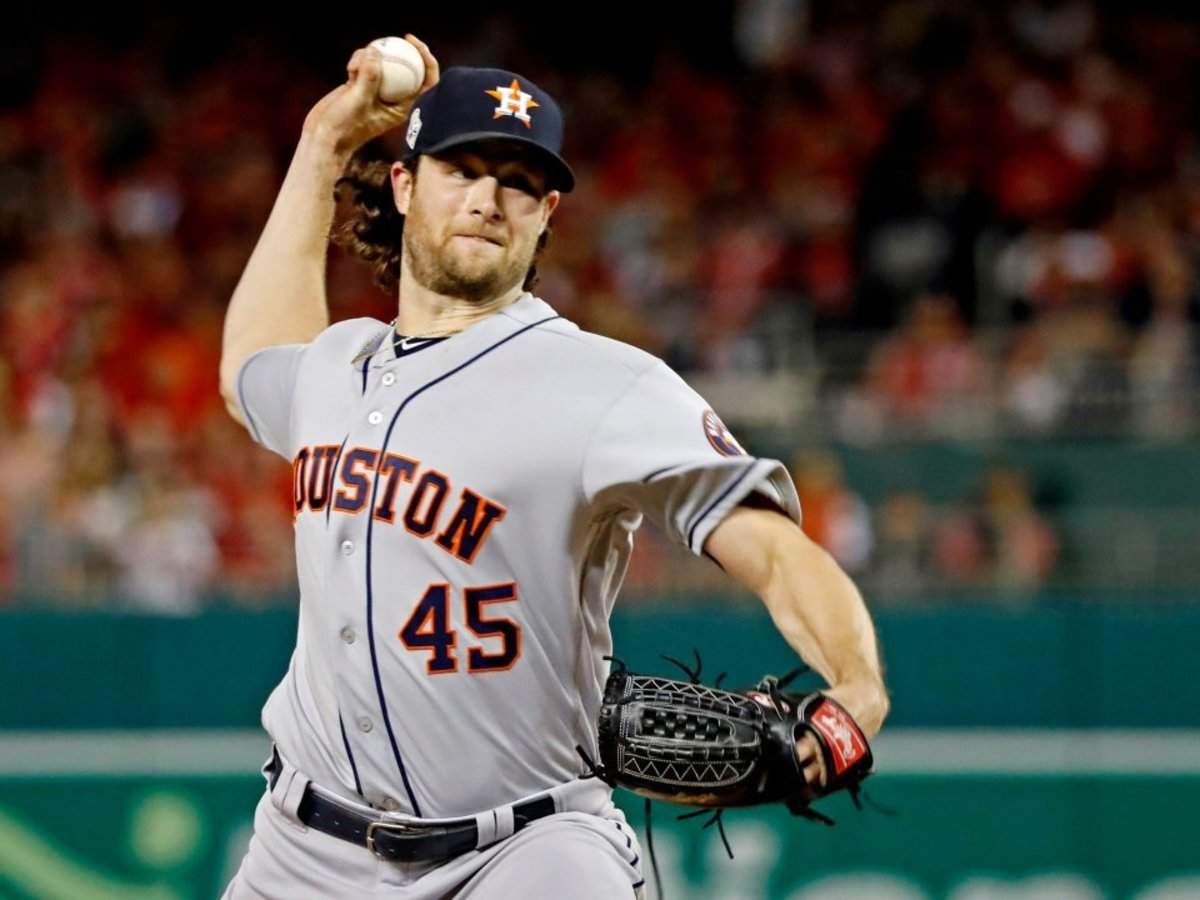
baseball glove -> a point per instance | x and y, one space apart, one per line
686 743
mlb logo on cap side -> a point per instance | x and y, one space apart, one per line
414 129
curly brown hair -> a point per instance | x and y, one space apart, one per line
373 231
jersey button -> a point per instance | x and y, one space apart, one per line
365 725
347 547
375 417
389 378
390 804
348 635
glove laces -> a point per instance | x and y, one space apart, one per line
773 686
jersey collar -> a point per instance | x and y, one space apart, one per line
523 311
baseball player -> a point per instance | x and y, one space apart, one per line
467 483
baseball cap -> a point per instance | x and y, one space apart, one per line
470 104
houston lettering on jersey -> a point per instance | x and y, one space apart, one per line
418 499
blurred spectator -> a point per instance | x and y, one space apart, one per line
1000 541
901 565
1163 363
167 557
1035 394
832 515
929 373
1093 351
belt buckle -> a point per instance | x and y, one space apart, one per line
402 828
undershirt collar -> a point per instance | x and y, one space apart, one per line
404 345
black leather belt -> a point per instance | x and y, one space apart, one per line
400 841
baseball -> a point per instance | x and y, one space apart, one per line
403 69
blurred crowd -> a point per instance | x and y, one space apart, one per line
943 203
996 541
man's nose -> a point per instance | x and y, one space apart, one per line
484 197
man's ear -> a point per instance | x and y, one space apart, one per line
402 186
552 200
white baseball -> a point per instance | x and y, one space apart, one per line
403 69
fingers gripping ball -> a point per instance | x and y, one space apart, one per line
403 69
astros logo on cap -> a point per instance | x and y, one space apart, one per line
513 102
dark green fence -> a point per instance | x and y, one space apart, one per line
1050 666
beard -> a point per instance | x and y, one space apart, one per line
447 266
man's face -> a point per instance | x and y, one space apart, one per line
473 216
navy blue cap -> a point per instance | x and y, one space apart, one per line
469 104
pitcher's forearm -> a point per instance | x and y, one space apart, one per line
819 611
814 604
280 298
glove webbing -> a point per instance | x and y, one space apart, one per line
598 770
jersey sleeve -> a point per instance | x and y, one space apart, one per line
266 386
661 450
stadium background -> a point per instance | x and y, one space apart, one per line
940 258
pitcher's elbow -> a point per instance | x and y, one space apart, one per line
228 389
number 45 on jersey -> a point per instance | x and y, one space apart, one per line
429 629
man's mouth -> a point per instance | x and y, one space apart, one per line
481 239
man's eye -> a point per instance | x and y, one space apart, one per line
520 184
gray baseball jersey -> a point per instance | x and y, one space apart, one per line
464 517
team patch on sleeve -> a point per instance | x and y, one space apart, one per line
720 437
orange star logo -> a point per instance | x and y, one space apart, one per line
513 102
